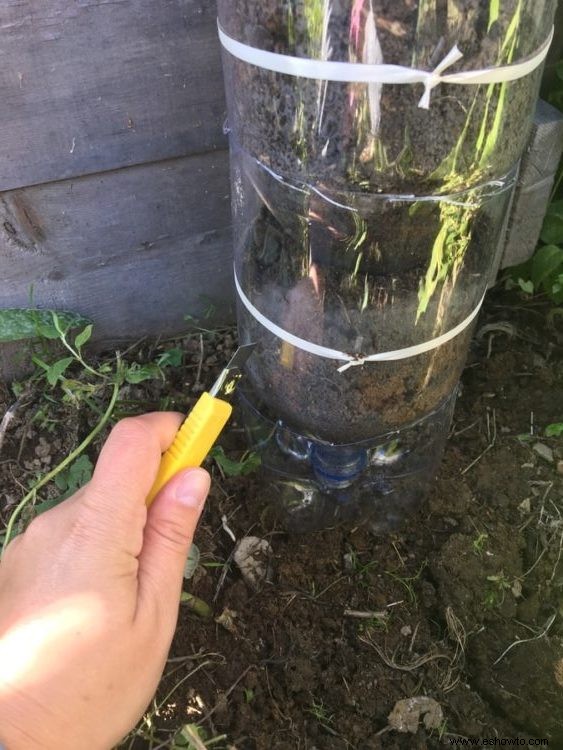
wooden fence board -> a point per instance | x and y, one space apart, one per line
93 85
135 249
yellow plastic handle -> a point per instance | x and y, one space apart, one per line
193 441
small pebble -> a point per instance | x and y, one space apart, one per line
43 449
525 506
560 467
253 556
544 451
227 620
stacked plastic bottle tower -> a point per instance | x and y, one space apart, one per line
374 148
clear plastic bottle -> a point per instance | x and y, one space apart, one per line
365 226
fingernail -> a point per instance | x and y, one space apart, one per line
192 488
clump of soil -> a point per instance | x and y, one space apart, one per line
461 606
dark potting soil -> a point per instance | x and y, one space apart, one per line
309 661
302 664
311 399
317 131
306 391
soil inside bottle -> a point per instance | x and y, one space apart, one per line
305 390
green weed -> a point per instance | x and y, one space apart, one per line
73 380
318 710
478 544
31 496
543 274
24 324
170 358
408 582
75 477
92 385
456 222
554 430
249 463
496 594
442 729
192 737
360 570
375 623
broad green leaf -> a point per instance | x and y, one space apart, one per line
75 476
55 371
20 324
139 373
171 358
81 471
554 430
559 69
552 231
40 363
46 330
545 263
556 293
526 286
83 337
61 481
248 463
192 562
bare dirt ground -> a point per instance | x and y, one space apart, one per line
461 610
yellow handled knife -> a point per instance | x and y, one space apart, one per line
203 425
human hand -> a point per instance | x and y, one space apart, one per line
89 597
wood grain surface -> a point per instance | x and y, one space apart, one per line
92 85
134 249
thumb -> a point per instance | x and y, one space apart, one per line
171 524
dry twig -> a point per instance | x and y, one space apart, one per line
457 634
519 641
382 615
414 665
492 437
7 419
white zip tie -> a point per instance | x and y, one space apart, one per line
350 359
346 72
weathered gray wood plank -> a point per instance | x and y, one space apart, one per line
135 249
92 85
